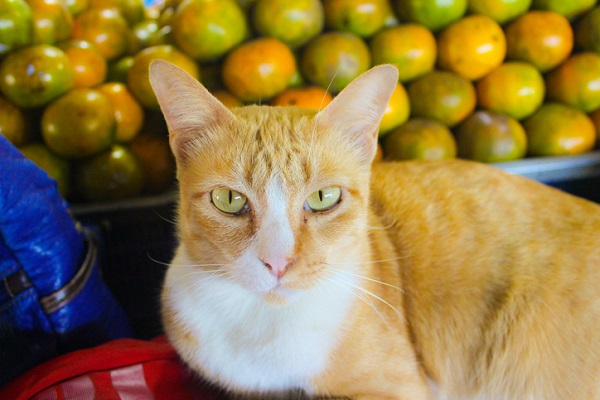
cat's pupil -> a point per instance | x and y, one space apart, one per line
230 197
320 195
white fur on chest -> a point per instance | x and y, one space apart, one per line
254 346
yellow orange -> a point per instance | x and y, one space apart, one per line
311 97
410 47
52 21
541 38
129 115
557 129
228 99
397 111
259 69
88 63
515 89
576 82
472 47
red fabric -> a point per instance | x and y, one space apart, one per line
124 369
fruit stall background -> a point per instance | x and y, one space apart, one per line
515 83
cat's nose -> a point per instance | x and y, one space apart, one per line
278 266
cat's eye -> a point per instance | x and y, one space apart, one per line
229 201
324 199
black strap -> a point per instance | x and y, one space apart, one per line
16 283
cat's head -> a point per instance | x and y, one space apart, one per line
274 199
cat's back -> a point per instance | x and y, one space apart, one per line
501 275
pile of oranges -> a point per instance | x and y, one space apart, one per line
488 80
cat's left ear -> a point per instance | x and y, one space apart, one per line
357 110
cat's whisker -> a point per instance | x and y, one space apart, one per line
364 299
366 262
339 271
170 221
377 228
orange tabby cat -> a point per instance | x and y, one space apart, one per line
300 267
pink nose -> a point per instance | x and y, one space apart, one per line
277 266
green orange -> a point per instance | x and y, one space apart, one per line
410 47
420 139
334 59
12 123
259 69
35 75
576 82
472 46
541 38
443 96
207 29
515 89
138 74
57 168
587 31
132 10
361 17
292 22
79 124
501 11
557 129
157 162
566 8
113 174
489 137
434 14
15 25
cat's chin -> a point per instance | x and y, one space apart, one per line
280 296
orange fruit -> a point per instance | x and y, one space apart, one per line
557 129
576 82
113 174
434 14
500 11
117 69
104 28
397 111
410 47
587 31
541 38
311 97
35 75
568 9
15 25
292 22
489 137
361 17
56 167
157 162
52 21
443 96
207 29
88 63
129 114
79 124
595 116
472 47
227 98
131 10
12 123
138 74
334 59
420 139
258 69
76 6
515 89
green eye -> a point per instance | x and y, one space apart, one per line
324 199
229 201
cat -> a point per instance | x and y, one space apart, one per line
302 266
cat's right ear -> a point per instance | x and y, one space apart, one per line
189 109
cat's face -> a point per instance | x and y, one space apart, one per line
271 198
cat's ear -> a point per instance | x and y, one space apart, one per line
357 110
189 109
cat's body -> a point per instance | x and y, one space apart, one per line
422 280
